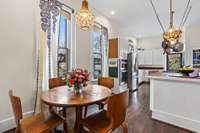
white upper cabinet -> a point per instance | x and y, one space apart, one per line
148 57
141 58
151 57
158 57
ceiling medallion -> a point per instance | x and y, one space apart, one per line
172 35
85 18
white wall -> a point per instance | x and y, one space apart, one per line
193 33
17 53
17 56
83 39
191 37
153 42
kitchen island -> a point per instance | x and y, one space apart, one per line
175 100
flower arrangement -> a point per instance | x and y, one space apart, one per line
77 78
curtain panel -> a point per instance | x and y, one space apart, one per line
49 18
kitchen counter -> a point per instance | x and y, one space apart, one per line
175 100
173 76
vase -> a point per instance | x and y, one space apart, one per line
78 87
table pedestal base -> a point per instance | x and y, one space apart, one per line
79 112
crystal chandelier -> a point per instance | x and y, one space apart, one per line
172 35
85 18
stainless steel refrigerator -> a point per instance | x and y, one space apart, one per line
132 71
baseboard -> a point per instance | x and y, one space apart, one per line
179 121
9 123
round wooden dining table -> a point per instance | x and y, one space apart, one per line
64 97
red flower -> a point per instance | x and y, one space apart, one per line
72 81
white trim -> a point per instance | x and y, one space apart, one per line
9 123
186 123
73 42
91 55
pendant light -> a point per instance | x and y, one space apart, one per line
172 35
85 18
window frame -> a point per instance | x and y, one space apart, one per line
67 41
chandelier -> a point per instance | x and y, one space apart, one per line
85 18
172 35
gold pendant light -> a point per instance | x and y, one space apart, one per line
172 35
85 18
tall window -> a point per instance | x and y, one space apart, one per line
64 44
99 51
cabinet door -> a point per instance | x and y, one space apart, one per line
113 48
158 57
140 57
141 76
148 58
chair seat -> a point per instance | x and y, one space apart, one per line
40 123
98 122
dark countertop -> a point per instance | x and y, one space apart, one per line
151 67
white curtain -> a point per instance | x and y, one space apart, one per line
47 46
42 72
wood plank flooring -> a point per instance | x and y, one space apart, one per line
138 116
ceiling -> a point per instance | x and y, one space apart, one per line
137 18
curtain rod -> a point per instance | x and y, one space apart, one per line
64 5
68 7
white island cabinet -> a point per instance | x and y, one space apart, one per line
175 100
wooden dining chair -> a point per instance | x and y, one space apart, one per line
34 124
56 82
108 120
104 81
53 83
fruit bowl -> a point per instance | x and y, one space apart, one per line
186 72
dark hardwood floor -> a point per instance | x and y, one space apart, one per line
138 116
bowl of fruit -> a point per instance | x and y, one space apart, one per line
186 70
